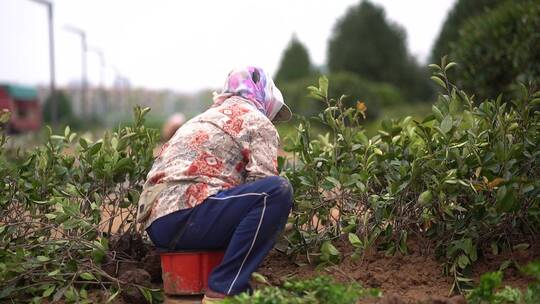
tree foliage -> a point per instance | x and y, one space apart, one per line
63 102
295 63
374 94
364 42
500 48
460 13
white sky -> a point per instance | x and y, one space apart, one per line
185 45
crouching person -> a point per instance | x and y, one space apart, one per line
214 184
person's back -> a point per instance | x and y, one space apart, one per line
229 144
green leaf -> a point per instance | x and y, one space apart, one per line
323 86
506 200
354 240
42 258
113 296
333 181
463 261
50 216
454 106
533 269
449 66
146 293
95 148
521 247
87 276
47 292
259 278
434 66
123 164
437 113
438 81
425 198
57 137
329 252
446 124
6 291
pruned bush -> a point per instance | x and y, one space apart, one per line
60 203
465 177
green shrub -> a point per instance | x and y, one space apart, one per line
378 94
464 177
314 291
375 95
462 11
52 233
499 48
489 289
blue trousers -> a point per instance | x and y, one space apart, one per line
244 220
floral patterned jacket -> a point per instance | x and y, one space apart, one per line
229 144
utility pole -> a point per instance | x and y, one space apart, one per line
84 78
52 85
103 96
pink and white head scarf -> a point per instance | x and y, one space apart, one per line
257 86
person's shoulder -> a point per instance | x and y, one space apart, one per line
250 111
240 113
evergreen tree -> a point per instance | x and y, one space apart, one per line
366 44
295 63
499 48
462 10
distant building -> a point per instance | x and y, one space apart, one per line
22 102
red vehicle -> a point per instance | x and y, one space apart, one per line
24 106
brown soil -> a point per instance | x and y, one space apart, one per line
413 278
512 276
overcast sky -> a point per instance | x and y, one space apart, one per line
185 45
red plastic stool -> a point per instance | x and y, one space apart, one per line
187 272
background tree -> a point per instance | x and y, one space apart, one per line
365 43
460 13
499 48
376 95
65 112
295 63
